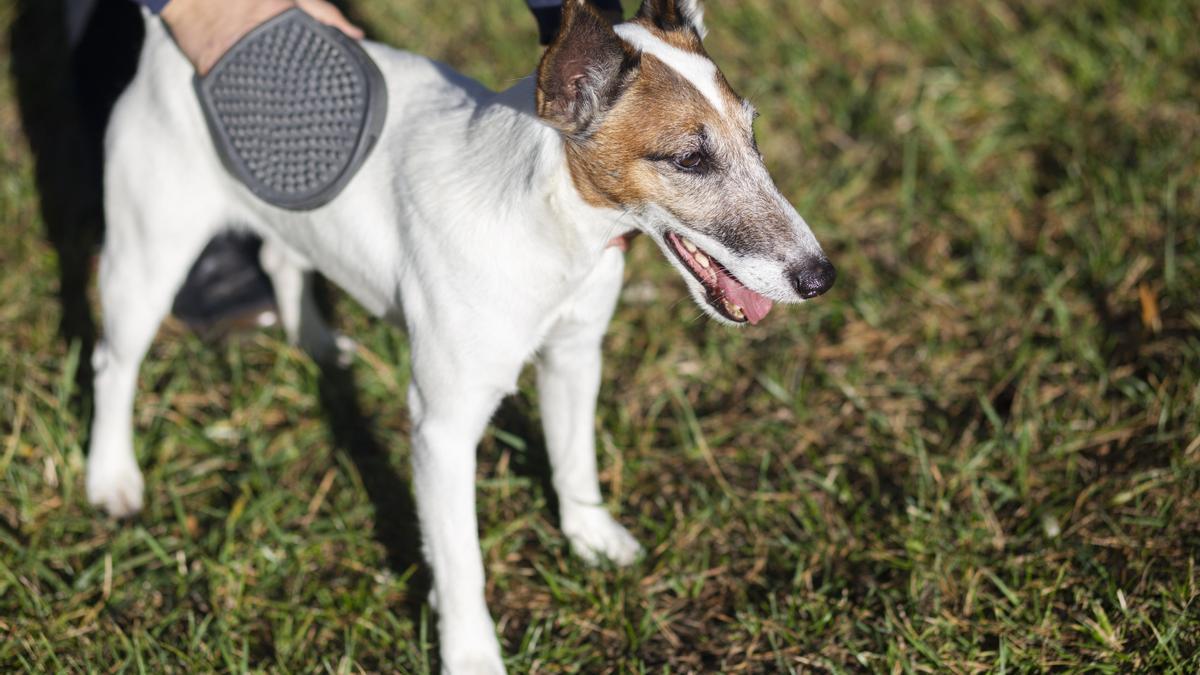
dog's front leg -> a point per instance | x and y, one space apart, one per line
447 424
568 383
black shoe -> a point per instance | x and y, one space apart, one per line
226 288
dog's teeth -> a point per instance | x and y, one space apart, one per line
734 310
702 259
689 246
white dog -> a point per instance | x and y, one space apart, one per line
482 223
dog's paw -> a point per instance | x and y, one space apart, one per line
115 486
595 536
474 664
470 647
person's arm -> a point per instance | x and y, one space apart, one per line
205 29
155 6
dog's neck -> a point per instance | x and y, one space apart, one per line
523 166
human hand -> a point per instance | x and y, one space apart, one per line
206 29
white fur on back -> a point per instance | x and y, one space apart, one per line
698 70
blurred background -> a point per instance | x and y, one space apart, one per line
978 452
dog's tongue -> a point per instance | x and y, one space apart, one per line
753 305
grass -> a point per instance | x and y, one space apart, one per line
979 452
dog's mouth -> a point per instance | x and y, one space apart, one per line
722 291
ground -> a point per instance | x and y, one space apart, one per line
978 452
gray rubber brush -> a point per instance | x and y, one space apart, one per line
294 109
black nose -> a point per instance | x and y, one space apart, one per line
813 277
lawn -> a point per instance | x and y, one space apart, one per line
979 452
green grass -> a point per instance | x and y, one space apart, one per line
979 452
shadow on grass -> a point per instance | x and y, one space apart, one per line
516 416
396 524
65 97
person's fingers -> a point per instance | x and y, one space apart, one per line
205 29
326 13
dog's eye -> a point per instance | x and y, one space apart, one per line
692 161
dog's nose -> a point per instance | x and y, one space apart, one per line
813 277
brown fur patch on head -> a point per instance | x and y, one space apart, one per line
661 121
650 123
660 114
658 117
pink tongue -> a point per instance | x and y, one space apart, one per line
753 305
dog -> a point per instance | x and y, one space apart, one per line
483 223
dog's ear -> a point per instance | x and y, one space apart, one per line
583 70
675 15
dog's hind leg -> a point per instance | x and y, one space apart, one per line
568 382
143 264
292 278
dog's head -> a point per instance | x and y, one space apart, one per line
652 127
